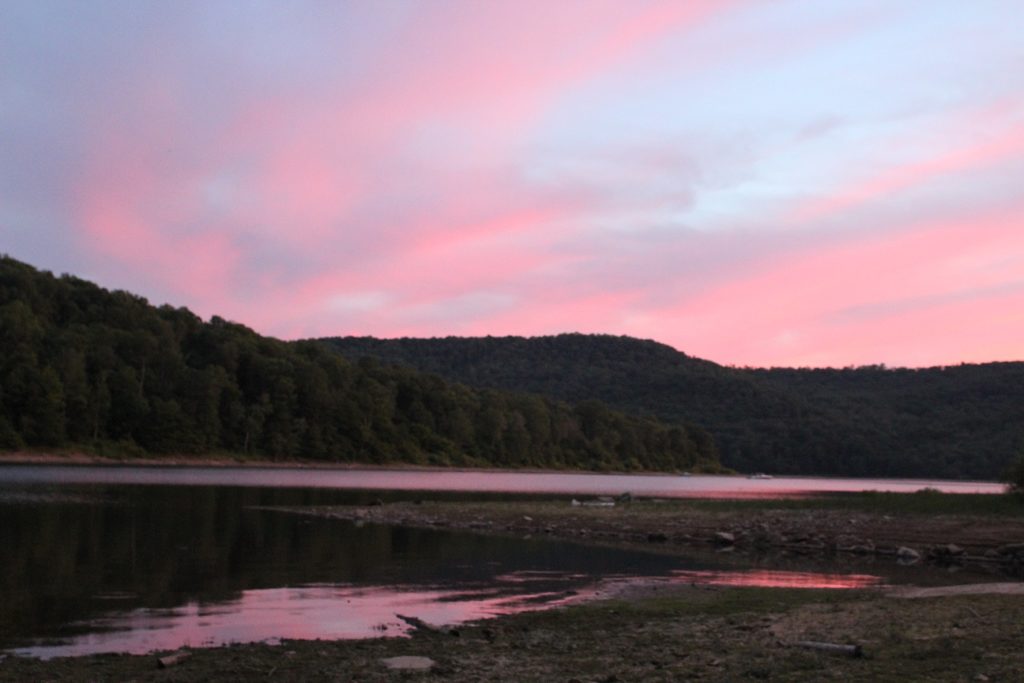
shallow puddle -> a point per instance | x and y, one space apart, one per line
763 578
347 611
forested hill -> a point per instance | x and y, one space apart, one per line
956 422
83 367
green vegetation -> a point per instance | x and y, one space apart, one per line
951 422
86 368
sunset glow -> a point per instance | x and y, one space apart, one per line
787 183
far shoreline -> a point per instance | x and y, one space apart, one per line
79 458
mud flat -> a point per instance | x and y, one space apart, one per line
669 633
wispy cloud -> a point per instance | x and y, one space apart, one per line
758 183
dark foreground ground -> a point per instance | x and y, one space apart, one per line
671 634
661 632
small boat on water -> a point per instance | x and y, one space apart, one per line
759 475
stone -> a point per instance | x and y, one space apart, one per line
409 663
724 538
907 555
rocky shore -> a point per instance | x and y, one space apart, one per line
680 526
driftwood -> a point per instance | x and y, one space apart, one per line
416 623
172 659
833 648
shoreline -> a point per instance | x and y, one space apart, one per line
654 631
677 526
183 461
79 458
667 633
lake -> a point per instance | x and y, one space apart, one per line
136 559
669 486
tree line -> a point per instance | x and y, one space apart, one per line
962 421
83 367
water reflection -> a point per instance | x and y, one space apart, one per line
455 480
135 557
347 611
131 569
778 579
266 615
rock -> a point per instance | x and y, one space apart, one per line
724 538
953 549
172 659
656 537
907 555
409 663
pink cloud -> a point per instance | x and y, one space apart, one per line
990 150
402 200
852 302
309 172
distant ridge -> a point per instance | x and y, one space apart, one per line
965 421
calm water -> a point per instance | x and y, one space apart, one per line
119 564
506 482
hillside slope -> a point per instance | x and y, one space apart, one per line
83 367
959 422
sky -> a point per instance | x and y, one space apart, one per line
762 183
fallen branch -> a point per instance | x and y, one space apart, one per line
172 659
833 648
416 623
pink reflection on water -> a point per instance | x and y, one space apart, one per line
330 611
569 483
765 578
304 613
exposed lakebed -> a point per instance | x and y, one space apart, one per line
127 567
